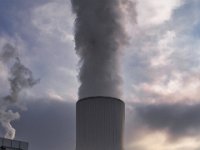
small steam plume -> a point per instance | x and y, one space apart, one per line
20 78
99 38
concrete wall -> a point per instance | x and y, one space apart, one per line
7 144
99 123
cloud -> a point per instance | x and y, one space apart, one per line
163 126
177 120
158 140
155 12
54 50
99 41
54 17
19 78
48 124
161 65
50 54
163 59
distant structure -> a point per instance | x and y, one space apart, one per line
99 123
7 144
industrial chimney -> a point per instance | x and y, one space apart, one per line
99 123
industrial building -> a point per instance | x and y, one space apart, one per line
99 123
7 144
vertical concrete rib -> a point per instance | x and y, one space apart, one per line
99 123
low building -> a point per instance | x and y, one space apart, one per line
7 144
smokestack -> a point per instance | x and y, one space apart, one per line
99 123
99 40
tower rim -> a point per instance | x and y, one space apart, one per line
91 98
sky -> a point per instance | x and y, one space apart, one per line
160 70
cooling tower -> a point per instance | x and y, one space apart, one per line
99 123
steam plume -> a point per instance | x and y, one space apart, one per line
99 37
20 78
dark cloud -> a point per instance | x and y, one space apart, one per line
8 52
21 77
48 124
178 120
51 124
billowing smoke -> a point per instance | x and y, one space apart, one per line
99 38
20 77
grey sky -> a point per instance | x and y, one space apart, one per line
160 71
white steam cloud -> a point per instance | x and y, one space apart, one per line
99 39
20 77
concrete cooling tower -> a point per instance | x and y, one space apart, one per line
99 123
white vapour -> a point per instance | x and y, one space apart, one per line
20 77
99 39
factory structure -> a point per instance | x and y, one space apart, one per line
99 123
7 144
